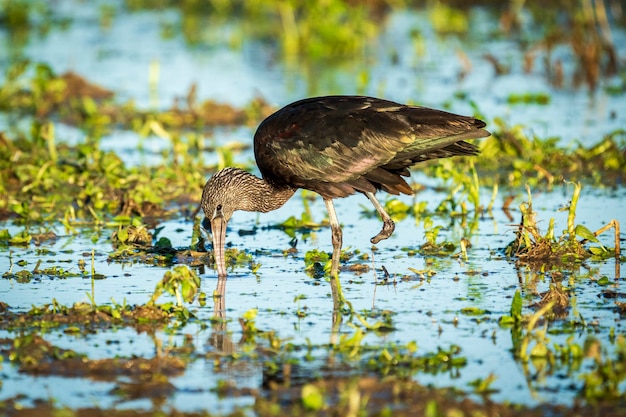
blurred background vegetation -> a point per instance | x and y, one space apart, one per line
312 33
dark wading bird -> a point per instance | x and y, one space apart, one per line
335 146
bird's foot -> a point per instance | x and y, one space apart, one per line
388 228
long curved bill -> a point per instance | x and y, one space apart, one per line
218 233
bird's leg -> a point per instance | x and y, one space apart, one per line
388 224
335 284
337 236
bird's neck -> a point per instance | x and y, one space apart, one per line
266 195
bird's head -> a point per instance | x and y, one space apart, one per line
222 195
233 189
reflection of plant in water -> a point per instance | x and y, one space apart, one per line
606 378
248 325
30 351
135 377
603 374
552 256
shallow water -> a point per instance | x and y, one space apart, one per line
428 312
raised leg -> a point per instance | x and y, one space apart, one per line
337 236
388 224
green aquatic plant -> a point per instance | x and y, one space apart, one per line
447 19
300 312
83 182
304 225
512 157
317 263
433 246
460 177
236 258
248 324
529 98
180 281
312 397
396 209
74 100
483 386
22 238
515 318
300 31
533 247
132 235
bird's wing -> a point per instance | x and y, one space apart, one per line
339 139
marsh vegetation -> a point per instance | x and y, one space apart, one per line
500 293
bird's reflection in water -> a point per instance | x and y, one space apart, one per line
220 339
338 302
239 371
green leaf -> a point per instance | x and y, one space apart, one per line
473 311
22 238
432 409
164 243
121 219
291 222
5 235
116 314
250 314
539 351
516 306
583 232
597 250
506 321
315 255
312 397
122 235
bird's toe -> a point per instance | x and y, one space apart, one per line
388 228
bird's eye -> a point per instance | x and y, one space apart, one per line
219 207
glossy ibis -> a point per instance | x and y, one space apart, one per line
335 146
